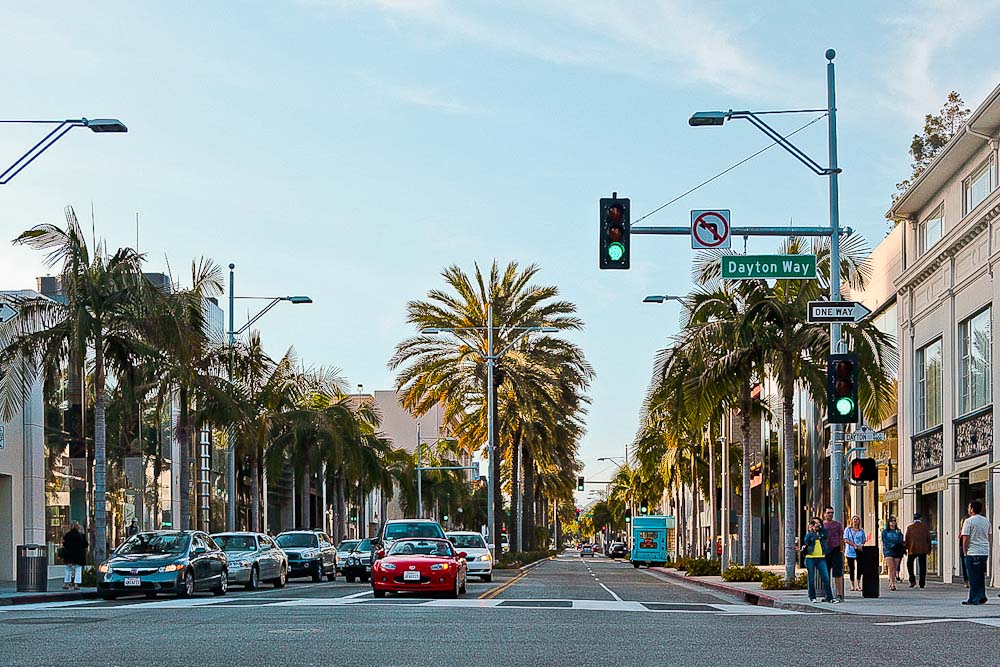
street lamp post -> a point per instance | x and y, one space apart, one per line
233 333
490 359
98 125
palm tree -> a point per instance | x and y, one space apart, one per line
451 371
106 299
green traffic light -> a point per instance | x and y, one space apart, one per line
844 405
616 251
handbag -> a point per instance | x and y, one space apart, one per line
60 552
898 550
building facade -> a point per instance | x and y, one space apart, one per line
948 298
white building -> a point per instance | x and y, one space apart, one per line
948 299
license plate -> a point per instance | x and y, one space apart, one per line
411 576
368 568
133 581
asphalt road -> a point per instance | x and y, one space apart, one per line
568 611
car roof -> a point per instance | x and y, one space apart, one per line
411 521
240 533
462 532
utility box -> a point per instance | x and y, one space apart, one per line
649 540
868 567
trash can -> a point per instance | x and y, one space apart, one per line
868 568
32 568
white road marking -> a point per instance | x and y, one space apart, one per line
994 622
613 594
356 595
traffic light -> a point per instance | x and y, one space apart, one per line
864 470
579 483
628 516
644 509
445 518
842 388
614 233
577 512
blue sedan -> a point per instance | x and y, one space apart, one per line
164 561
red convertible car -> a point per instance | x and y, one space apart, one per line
420 565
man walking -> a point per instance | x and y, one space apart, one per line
918 545
976 545
835 555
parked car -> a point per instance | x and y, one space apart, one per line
310 554
344 550
359 562
478 556
618 550
397 529
253 558
164 561
420 565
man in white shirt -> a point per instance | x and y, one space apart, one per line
976 544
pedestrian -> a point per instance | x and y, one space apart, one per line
815 549
976 540
918 544
893 550
74 556
133 529
961 559
854 539
835 557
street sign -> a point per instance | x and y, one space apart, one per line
745 267
1 437
864 436
710 229
845 312
7 313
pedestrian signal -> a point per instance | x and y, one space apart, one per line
864 470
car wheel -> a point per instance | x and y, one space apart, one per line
317 574
282 578
377 593
365 577
223 584
187 586
454 592
635 565
349 578
332 576
488 577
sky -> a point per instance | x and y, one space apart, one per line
351 150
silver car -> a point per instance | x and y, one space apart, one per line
253 558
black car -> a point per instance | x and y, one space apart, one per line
358 563
617 550
310 554
164 561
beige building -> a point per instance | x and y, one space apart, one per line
948 298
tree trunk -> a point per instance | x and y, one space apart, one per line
528 482
341 525
788 450
100 453
305 499
745 438
255 491
516 500
184 460
695 502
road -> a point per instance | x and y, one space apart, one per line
567 611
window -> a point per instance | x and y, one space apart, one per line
974 340
930 230
929 398
978 185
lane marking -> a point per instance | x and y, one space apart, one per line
613 594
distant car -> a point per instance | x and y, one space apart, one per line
420 565
344 550
253 558
398 529
587 550
164 561
618 550
478 557
310 554
358 564
504 544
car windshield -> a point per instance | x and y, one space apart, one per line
467 541
364 545
421 548
398 531
154 544
236 542
347 545
297 540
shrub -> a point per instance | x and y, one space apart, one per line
771 581
679 564
703 567
742 573
515 559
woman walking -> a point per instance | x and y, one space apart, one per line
815 549
893 550
854 538
74 555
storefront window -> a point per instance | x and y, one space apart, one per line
928 387
974 336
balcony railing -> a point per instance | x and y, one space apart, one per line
928 449
974 434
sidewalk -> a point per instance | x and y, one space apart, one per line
935 601
9 594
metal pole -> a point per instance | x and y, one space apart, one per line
490 429
520 499
837 459
724 523
420 480
230 445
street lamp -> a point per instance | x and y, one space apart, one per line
662 298
491 359
703 118
233 333
99 125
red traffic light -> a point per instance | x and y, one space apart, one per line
615 214
615 232
864 470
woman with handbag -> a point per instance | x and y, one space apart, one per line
893 550
74 555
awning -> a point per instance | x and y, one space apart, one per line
939 484
982 475
894 495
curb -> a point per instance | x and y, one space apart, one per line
525 568
55 596
749 597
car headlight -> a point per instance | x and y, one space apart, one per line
173 567
103 567
485 557
439 566
310 553
388 566
243 562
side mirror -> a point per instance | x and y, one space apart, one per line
463 554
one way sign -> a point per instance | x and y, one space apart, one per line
844 312
6 313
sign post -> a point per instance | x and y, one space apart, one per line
710 229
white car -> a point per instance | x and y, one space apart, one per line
478 556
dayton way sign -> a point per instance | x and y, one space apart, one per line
745 267
845 312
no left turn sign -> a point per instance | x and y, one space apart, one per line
710 229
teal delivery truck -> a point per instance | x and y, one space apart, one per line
649 540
